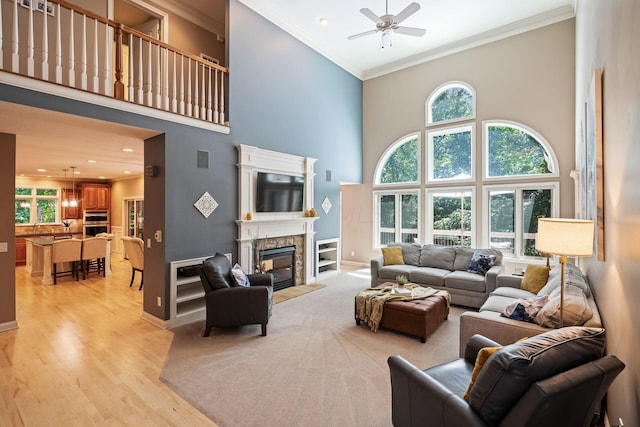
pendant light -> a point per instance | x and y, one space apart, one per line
65 202
73 202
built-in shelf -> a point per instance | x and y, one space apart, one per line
327 258
187 294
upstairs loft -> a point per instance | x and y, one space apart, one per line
60 48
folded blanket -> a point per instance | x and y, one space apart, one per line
370 302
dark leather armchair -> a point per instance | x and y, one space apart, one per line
556 378
231 305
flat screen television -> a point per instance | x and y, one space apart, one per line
279 193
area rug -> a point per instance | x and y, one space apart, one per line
315 367
295 291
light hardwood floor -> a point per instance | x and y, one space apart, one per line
82 356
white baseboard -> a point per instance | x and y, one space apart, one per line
7 326
355 263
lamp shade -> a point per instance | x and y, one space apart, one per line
565 237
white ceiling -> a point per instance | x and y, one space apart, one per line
55 141
451 25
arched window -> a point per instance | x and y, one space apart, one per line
451 101
513 150
400 164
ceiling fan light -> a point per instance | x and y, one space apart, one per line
385 40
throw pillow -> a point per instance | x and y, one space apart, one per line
576 308
535 277
481 263
392 255
481 358
240 277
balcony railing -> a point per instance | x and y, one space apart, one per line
60 43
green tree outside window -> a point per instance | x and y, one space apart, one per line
402 164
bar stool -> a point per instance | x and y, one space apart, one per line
93 248
67 250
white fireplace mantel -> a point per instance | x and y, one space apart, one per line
268 225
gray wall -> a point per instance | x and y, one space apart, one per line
528 78
287 97
607 37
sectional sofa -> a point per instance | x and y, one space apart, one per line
442 267
579 308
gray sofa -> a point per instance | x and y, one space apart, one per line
441 267
489 322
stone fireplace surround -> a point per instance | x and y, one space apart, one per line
274 229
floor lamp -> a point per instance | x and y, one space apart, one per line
565 238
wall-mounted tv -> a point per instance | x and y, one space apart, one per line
279 193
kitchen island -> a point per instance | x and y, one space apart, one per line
39 258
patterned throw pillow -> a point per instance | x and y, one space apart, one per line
481 263
239 275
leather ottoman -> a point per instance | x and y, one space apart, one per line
417 317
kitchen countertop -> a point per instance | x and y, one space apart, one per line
30 235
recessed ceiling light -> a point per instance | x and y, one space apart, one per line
324 21
42 170
127 171
102 177
128 150
91 161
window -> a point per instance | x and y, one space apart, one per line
36 205
400 163
397 217
451 101
513 150
513 215
450 154
450 214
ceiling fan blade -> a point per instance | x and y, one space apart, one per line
366 33
411 31
369 14
407 12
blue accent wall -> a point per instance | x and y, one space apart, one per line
287 97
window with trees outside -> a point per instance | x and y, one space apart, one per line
36 205
519 183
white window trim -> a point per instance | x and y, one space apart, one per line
434 94
33 201
429 193
552 158
397 225
486 189
429 153
382 161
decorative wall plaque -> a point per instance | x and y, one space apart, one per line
206 204
326 205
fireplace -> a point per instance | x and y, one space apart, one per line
281 263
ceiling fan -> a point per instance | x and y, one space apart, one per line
388 24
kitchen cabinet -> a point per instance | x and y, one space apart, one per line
21 251
96 196
71 212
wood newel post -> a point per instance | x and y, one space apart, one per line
118 86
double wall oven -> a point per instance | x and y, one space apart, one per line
95 222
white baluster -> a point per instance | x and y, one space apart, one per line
130 80
45 45
196 92
157 81
108 71
15 44
181 84
30 45
72 54
149 76
209 109
189 105
140 75
216 111
174 101
58 47
83 74
96 80
203 107
222 98
165 79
